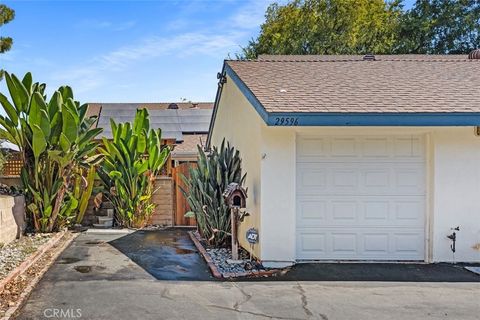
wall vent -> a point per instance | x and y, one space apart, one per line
474 54
369 57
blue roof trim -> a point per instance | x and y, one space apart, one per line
413 119
247 93
374 119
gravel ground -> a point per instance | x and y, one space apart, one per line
14 253
220 257
12 294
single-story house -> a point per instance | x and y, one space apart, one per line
184 124
356 157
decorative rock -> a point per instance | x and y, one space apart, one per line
230 261
222 258
9 191
14 253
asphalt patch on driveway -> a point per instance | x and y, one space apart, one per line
387 272
165 254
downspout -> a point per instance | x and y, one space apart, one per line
222 79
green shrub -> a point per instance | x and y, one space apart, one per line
132 160
204 191
55 138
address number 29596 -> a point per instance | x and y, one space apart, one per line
286 121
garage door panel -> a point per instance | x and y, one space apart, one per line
376 243
408 242
312 211
344 243
360 197
360 178
408 148
312 243
385 212
399 148
344 147
336 244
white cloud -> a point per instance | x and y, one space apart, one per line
251 15
94 73
214 39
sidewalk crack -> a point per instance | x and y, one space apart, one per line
304 300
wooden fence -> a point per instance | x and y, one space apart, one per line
13 166
181 205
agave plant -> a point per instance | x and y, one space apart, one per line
132 160
55 138
204 191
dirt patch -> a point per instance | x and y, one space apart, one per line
94 242
16 290
68 260
83 269
88 269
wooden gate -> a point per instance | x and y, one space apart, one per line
181 205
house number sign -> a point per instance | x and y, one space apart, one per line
252 235
286 121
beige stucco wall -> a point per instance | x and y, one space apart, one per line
455 175
278 195
453 192
12 218
239 123
269 157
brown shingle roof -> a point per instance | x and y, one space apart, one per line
189 144
340 84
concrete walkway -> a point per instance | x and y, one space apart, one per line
94 280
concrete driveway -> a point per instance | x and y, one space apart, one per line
94 280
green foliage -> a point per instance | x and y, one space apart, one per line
6 15
327 27
204 191
55 139
440 27
83 188
367 26
4 155
132 160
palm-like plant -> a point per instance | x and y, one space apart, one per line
132 160
204 191
55 137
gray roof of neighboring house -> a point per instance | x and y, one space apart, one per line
173 122
348 84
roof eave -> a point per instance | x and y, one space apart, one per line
374 119
344 119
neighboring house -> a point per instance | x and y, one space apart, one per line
184 125
356 158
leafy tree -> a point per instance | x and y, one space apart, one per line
55 138
328 27
440 27
368 26
133 158
6 15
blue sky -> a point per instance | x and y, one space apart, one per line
130 51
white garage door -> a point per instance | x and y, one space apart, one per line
360 198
